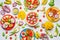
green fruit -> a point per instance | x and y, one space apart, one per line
51 4
51 0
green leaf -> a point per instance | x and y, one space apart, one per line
26 9
59 34
56 31
51 36
12 33
15 38
24 25
6 37
18 2
58 25
1 4
3 34
46 32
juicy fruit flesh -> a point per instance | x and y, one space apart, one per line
5 20
31 4
32 18
21 15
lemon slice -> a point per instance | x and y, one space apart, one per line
21 15
15 11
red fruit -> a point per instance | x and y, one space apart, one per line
38 10
29 0
41 30
20 7
43 16
42 34
10 38
31 33
40 20
6 32
35 2
15 35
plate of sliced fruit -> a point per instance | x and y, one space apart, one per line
7 22
27 34
32 18
53 14
31 4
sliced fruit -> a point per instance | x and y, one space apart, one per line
15 11
8 22
21 15
37 35
29 33
44 2
31 4
7 2
32 18
53 14
48 25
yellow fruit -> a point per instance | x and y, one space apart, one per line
44 2
52 19
15 11
48 25
21 15
37 35
7 2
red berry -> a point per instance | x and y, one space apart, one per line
20 7
15 35
15 16
37 10
40 20
41 30
6 32
43 16
10 38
